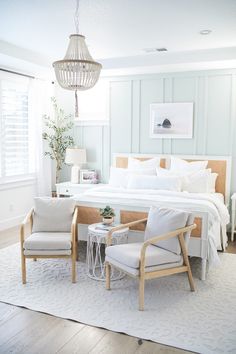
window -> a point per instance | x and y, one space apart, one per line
16 143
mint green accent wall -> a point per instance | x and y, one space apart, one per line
214 97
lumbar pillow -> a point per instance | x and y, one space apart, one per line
53 214
154 182
178 164
164 220
135 164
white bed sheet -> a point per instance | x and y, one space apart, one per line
212 203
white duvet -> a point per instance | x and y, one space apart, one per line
218 215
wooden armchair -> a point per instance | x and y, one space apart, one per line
43 242
164 251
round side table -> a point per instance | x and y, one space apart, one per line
94 259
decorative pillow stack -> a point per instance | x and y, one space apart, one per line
119 177
195 176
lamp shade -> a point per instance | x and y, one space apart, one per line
75 156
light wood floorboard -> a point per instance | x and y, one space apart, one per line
23 331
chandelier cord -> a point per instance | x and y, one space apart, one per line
76 17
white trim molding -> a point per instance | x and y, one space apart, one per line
17 183
89 123
11 222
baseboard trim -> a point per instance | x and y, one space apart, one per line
11 222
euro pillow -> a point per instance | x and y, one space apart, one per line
119 176
178 164
135 164
164 220
154 182
53 214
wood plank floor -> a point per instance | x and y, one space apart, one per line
29 332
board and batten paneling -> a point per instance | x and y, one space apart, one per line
213 93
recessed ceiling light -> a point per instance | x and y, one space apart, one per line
205 32
153 50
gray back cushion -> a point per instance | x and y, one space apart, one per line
163 220
53 214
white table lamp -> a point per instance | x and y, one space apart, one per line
75 157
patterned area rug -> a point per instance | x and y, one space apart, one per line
204 321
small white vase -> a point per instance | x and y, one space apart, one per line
108 221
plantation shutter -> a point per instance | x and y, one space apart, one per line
15 123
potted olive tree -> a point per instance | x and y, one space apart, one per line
57 136
108 214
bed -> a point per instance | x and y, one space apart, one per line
210 209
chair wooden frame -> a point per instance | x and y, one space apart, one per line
144 275
74 245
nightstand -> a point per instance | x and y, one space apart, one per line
69 189
233 211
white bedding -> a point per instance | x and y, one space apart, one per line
212 203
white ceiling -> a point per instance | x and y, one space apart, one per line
117 31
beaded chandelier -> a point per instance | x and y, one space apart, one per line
77 71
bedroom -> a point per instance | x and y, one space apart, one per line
154 130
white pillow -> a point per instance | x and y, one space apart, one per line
164 220
119 176
154 182
135 164
178 164
202 181
212 184
53 214
197 182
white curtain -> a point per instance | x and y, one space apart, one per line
42 91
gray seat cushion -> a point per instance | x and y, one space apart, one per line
48 241
129 255
53 214
135 272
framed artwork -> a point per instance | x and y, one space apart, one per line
171 120
88 177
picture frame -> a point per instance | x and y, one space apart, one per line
171 120
88 177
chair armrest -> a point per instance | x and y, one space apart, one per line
74 225
27 219
155 239
122 226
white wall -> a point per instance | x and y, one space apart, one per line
15 202
213 93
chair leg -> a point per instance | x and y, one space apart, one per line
77 250
141 293
190 279
108 276
186 261
23 269
74 268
